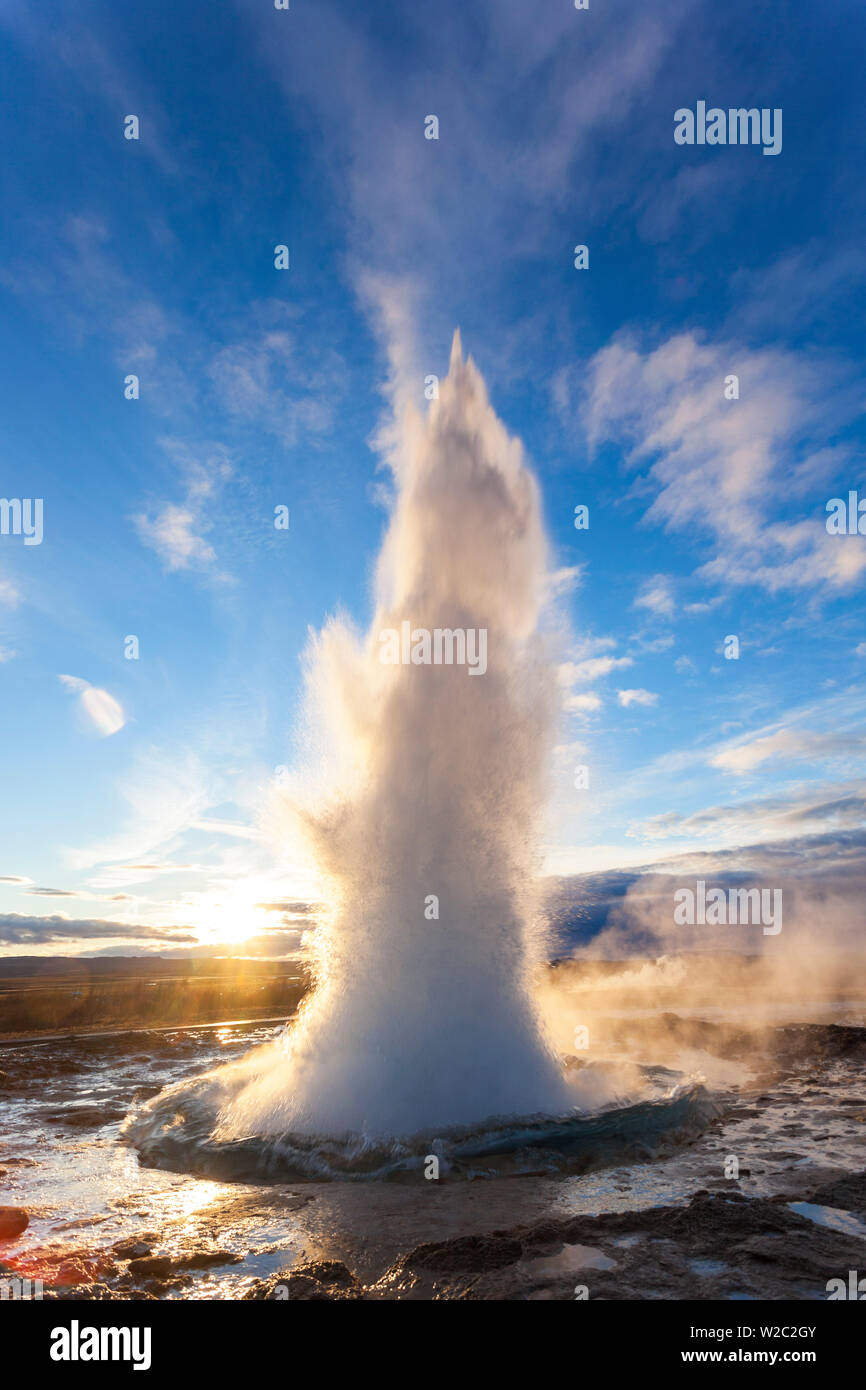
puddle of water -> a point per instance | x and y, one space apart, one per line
707 1268
570 1260
834 1218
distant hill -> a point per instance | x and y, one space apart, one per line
138 967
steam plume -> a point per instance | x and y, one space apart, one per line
435 782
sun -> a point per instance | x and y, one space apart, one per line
232 913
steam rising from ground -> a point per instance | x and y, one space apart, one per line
432 783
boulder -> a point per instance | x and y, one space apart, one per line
13 1220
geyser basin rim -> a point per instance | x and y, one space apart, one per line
176 1131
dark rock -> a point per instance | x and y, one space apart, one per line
819 1042
207 1259
132 1249
85 1116
163 1266
152 1266
320 1280
849 1194
466 1253
90 1291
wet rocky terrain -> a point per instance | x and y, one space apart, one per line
767 1202
719 1246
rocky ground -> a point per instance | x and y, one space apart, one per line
717 1247
791 1219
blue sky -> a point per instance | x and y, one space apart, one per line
261 387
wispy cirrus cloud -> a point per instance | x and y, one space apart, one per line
804 809
278 383
163 794
76 53
176 530
389 176
803 285
724 467
785 745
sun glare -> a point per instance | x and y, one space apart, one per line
231 914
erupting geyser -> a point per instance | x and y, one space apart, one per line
421 1028
418 1021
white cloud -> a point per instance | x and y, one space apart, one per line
175 531
581 704
564 580
567 751
657 595
592 668
704 606
636 697
173 536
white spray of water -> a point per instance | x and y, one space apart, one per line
418 1023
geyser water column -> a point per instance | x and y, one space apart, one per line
419 1021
